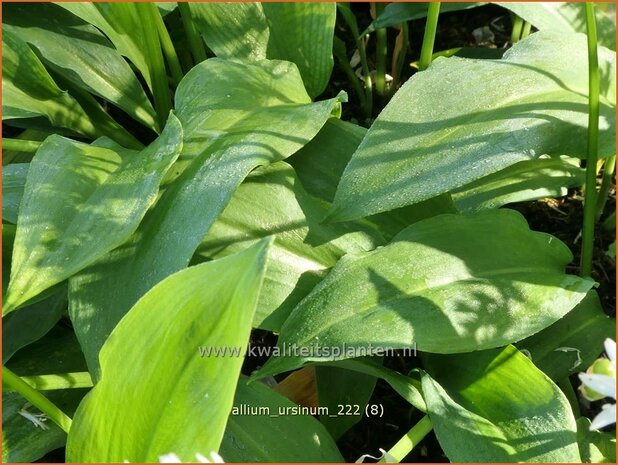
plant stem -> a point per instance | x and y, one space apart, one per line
169 51
518 24
593 143
350 20
20 145
430 36
381 52
158 73
36 398
62 381
525 32
340 53
195 40
410 440
606 185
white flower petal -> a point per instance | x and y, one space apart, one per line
605 418
605 385
610 350
169 458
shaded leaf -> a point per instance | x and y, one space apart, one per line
572 343
258 437
339 388
523 181
395 13
28 91
496 406
13 182
449 284
78 194
565 16
57 352
432 137
31 323
179 402
595 446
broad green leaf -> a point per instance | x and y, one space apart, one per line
57 352
258 437
395 13
82 54
271 201
565 16
339 388
122 24
28 91
31 323
572 343
407 387
496 406
449 284
239 121
523 181
321 162
80 202
178 402
13 182
463 119
595 446
298 32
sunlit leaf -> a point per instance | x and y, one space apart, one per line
463 119
239 121
79 194
496 406
178 402
298 32
449 284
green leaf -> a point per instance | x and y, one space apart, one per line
80 202
124 27
565 16
22 441
57 352
271 201
496 406
31 323
395 13
321 162
258 437
298 32
523 181
572 343
28 91
239 121
463 119
178 402
81 54
339 388
595 446
406 386
13 182
449 284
